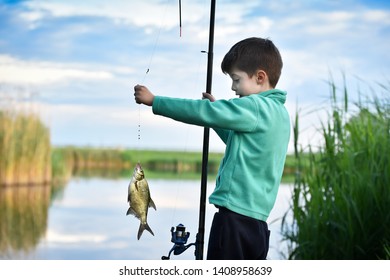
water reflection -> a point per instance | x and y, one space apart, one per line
23 218
87 220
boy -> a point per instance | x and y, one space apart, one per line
256 131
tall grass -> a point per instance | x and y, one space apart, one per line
62 163
25 153
341 198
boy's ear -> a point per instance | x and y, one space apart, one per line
261 76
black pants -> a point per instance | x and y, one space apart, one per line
237 237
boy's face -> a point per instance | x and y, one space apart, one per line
244 85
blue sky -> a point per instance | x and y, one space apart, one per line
76 62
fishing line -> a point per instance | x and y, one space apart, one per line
146 74
180 16
148 71
158 36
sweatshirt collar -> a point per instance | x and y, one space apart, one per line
277 94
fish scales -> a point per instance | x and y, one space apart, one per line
139 199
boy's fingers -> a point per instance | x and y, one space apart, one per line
205 95
138 87
208 96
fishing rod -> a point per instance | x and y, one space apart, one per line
206 136
179 235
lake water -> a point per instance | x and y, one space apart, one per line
87 220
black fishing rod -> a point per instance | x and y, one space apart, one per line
206 134
179 235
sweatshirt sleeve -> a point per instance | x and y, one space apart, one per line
223 134
239 114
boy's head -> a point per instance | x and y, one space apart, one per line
253 54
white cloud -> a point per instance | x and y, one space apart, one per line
377 16
17 71
58 237
336 23
153 15
139 13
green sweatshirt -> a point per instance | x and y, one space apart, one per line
256 131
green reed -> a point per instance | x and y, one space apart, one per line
24 149
341 197
61 165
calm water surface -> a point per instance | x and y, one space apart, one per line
87 220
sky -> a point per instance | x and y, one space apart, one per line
75 62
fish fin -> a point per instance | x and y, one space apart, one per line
136 185
151 204
141 229
131 211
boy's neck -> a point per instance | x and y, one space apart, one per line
265 87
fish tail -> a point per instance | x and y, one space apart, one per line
141 229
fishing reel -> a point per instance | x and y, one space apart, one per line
179 238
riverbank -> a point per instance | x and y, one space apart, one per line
27 157
111 162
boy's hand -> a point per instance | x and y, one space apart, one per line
143 95
208 96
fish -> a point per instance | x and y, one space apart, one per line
139 199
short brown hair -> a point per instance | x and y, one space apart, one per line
252 54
